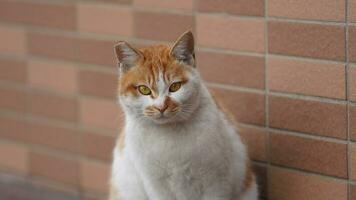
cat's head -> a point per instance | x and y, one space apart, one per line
159 83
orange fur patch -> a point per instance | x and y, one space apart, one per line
249 177
154 59
121 140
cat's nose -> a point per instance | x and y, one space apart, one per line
161 108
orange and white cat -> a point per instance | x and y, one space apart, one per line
176 143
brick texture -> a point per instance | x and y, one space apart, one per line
309 154
317 9
245 71
307 40
230 33
242 7
308 116
286 184
305 77
284 69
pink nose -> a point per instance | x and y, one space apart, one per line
161 108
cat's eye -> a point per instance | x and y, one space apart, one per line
175 87
144 90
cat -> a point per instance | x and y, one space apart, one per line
176 144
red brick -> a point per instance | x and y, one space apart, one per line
317 9
307 40
352 43
41 14
53 76
88 84
100 113
49 166
242 7
12 40
13 70
246 107
102 19
95 176
161 26
245 71
292 185
313 155
230 33
63 108
13 157
317 118
352 13
13 100
98 146
306 77
163 4
256 142
352 83
72 48
353 122
353 161
54 136
12 128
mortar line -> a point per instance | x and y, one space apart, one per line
347 92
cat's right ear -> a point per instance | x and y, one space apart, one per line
126 55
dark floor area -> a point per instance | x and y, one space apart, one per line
15 188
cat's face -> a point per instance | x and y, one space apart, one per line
159 83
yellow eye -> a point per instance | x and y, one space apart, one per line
144 90
175 87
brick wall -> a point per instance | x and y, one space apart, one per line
287 69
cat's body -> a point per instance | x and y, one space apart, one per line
192 154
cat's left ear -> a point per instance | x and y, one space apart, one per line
183 49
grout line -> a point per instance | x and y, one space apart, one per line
234 88
296 133
316 22
347 92
268 139
309 98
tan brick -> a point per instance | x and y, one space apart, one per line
14 157
72 48
353 161
292 185
88 84
256 142
95 176
352 83
41 14
12 40
317 118
100 113
246 107
352 43
161 26
164 4
307 40
56 168
12 128
13 100
114 20
245 71
306 77
352 12
54 136
230 32
317 9
353 192
98 146
309 154
46 105
353 122
53 76
13 70
241 7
